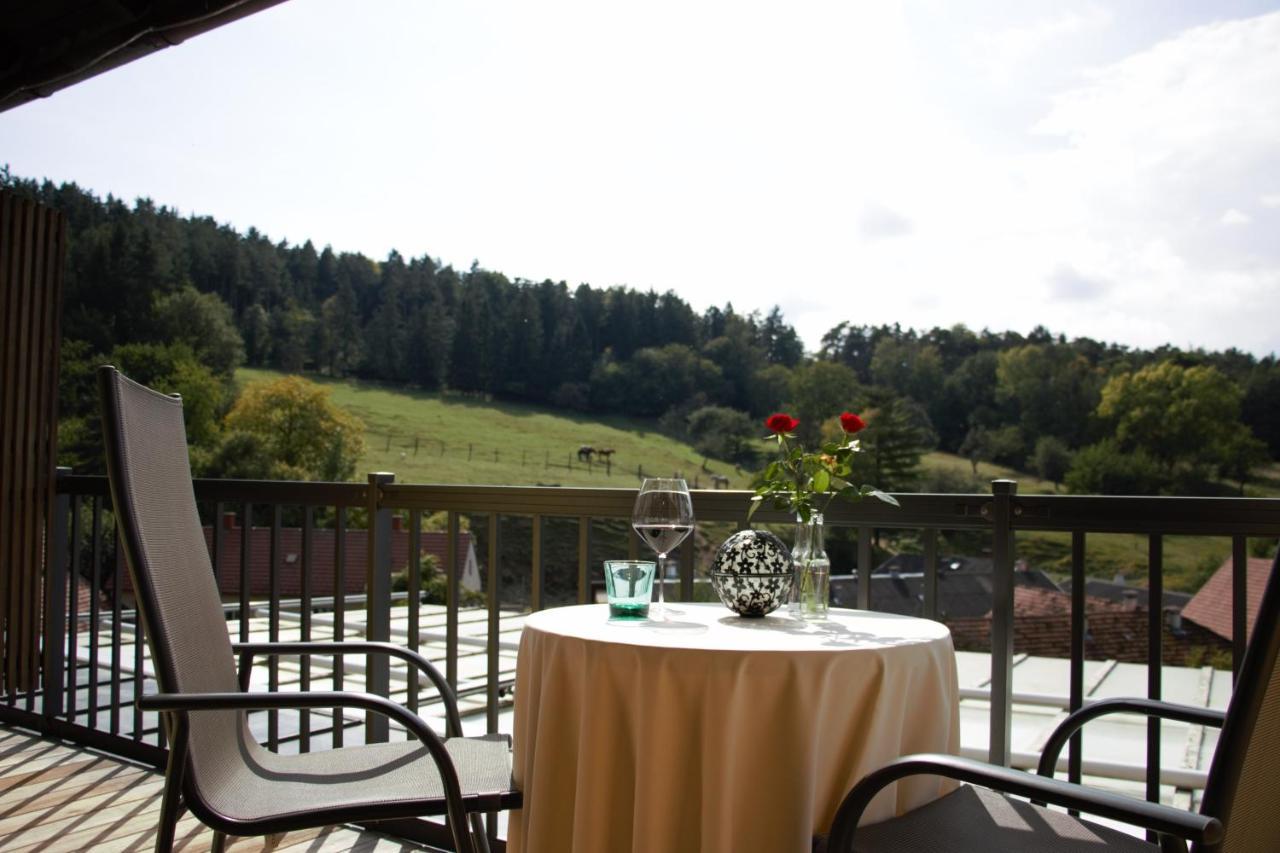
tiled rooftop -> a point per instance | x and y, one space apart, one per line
1211 606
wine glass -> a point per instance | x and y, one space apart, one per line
662 517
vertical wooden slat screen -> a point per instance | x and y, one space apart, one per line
32 248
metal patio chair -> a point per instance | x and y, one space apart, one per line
1238 813
216 769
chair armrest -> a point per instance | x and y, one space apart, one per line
262 701
453 722
183 702
1149 707
1154 816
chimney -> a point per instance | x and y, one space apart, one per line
1130 600
229 521
397 522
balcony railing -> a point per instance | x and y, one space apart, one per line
94 665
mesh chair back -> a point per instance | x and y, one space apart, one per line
169 564
1242 790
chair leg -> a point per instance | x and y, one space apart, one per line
219 842
171 806
477 832
170 809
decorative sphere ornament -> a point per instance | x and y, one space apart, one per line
751 572
752 552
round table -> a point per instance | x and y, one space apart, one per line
713 732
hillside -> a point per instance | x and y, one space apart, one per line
429 437
1188 560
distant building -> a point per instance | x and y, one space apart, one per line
323 558
913 564
964 586
1113 630
1116 619
1210 608
1119 592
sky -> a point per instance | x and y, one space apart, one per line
1104 169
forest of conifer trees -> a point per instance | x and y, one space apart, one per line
181 301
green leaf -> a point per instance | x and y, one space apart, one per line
884 496
821 480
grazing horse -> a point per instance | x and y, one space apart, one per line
719 481
605 453
584 453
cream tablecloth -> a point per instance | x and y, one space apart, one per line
710 732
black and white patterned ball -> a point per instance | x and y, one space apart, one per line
752 552
751 573
751 595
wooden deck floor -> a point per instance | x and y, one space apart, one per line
60 797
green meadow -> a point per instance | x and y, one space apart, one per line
430 437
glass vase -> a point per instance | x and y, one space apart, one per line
811 580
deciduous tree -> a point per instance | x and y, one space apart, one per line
1051 459
820 390
1182 416
307 436
1052 390
725 434
204 323
896 437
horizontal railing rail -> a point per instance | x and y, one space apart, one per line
364 533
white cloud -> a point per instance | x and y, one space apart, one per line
1069 284
1148 151
879 221
1003 50
843 160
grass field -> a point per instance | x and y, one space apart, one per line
446 438
961 468
1266 482
1188 560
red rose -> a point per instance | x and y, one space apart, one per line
781 423
851 423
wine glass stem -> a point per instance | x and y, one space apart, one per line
662 581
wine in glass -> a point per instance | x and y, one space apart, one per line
662 517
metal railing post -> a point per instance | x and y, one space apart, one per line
864 568
1001 517
55 603
93 715
451 600
377 587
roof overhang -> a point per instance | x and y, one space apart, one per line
47 45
